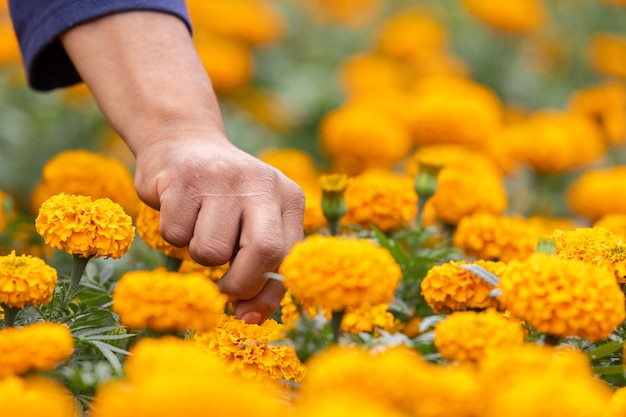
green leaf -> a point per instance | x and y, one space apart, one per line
608 370
397 252
604 350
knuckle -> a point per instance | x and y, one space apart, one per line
211 253
270 250
175 235
238 290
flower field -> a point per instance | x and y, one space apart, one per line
464 167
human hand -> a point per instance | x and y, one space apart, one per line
225 205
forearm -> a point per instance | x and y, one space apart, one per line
145 74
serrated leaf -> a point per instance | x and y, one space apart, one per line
107 352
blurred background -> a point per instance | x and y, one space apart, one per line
282 67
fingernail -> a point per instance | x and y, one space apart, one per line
252 317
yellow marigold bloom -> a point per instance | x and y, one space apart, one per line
9 49
21 347
36 396
25 280
297 165
337 272
339 404
450 155
605 104
357 137
214 273
607 54
380 198
551 151
514 17
496 237
462 192
253 350
252 21
447 287
228 61
167 301
351 13
314 219
597 246
466 336
563 297
408 33
82 172
170 376
81 226
617 402
364 72
594 195
615 223
148 229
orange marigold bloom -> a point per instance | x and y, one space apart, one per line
544 141
214 273
25 280
448 288
615 223
364 72
607 54
594 195
514 17
462 192
35 396
563 297
81 226
617 402
252 21
351 13
253 350
357 137
596 246
496 237
82 172
338 273
380 198
450 155
314 219
228 61
605 104
21 352
9 48
410 32
148 229
167 301
466 336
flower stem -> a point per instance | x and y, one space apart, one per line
335 322
173 264
10 314
79 264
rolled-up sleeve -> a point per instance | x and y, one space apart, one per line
38 24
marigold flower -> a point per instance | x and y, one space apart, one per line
617 402
496 237
364 72
297 165
563 297
214 273
465 336
339 404
25 280
85 227
36 396
615 223
9 49
450 155
21 352
81 172
447 287
462 192
228 61
358 137
594 195
337 272
382 199
605 104
148 229
596 246
314 219
607 54
252 21
333 199
351 13
167 301
513 17
253 350
170 376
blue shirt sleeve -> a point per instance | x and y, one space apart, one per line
38 24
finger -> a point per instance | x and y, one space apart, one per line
216 231
178 217
260 308
261 249
293 214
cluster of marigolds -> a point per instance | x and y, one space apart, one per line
411 109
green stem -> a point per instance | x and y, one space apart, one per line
333 226
79 264
10 314
335 322
551 340
173 264
421 203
